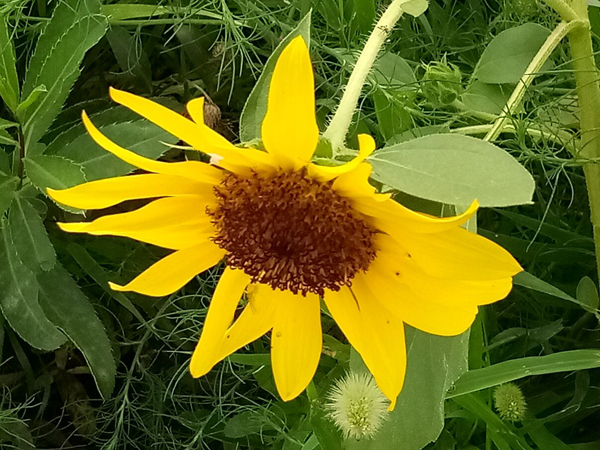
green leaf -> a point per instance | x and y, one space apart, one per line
19 299
515 369
9 81
530 281
489 98
141 137
75 27
256 105
587 294
71 311
434 364
392 115
8 186
132 11
454 170
414 7
30 100
507 56
393 71
53 172
131 57
366 19
29 236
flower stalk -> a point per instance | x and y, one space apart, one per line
339 125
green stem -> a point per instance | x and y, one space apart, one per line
530 73
563 9
588 93
338 128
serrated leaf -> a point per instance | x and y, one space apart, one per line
19 299
434 364
256 105
8 186
54 172
75 27
454 170
141 137
9 81
507 56
70 310
29 236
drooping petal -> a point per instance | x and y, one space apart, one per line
256 319
376 334
392 263
174 271
172 222
296 342
111 191
458 253
289 129
193 170
390 216
356 184
366 145
223 305
195 134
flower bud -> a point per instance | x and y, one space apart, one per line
510 402
441 83
357 406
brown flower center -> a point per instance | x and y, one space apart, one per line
291 232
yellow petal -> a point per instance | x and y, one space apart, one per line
220 315
356 184
375 333
296 342
392 263
325 173
174 271
391 217
111 191
289 129
172 222
458 253
193 170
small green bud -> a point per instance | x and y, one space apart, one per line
441 83
357 406
510 402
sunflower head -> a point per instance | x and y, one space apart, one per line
291 233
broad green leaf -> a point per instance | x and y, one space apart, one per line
507 56
19 299
8 186
587 294
515 369
393 71
256 105
132 11
71 311
455 170
489 98
75 27
434 364
53 171
29 236
141 137
414 7
368 12
9 81
393 117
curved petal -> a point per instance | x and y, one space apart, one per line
419 313
111 191
366 145
296 342
391 217
193 170
392 263
289 129
172 222
356 184
174 271
377 336
458 254
223 305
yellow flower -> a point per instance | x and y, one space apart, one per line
291 232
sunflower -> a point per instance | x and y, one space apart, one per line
292 233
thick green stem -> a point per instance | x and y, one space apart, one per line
338 128
588 93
